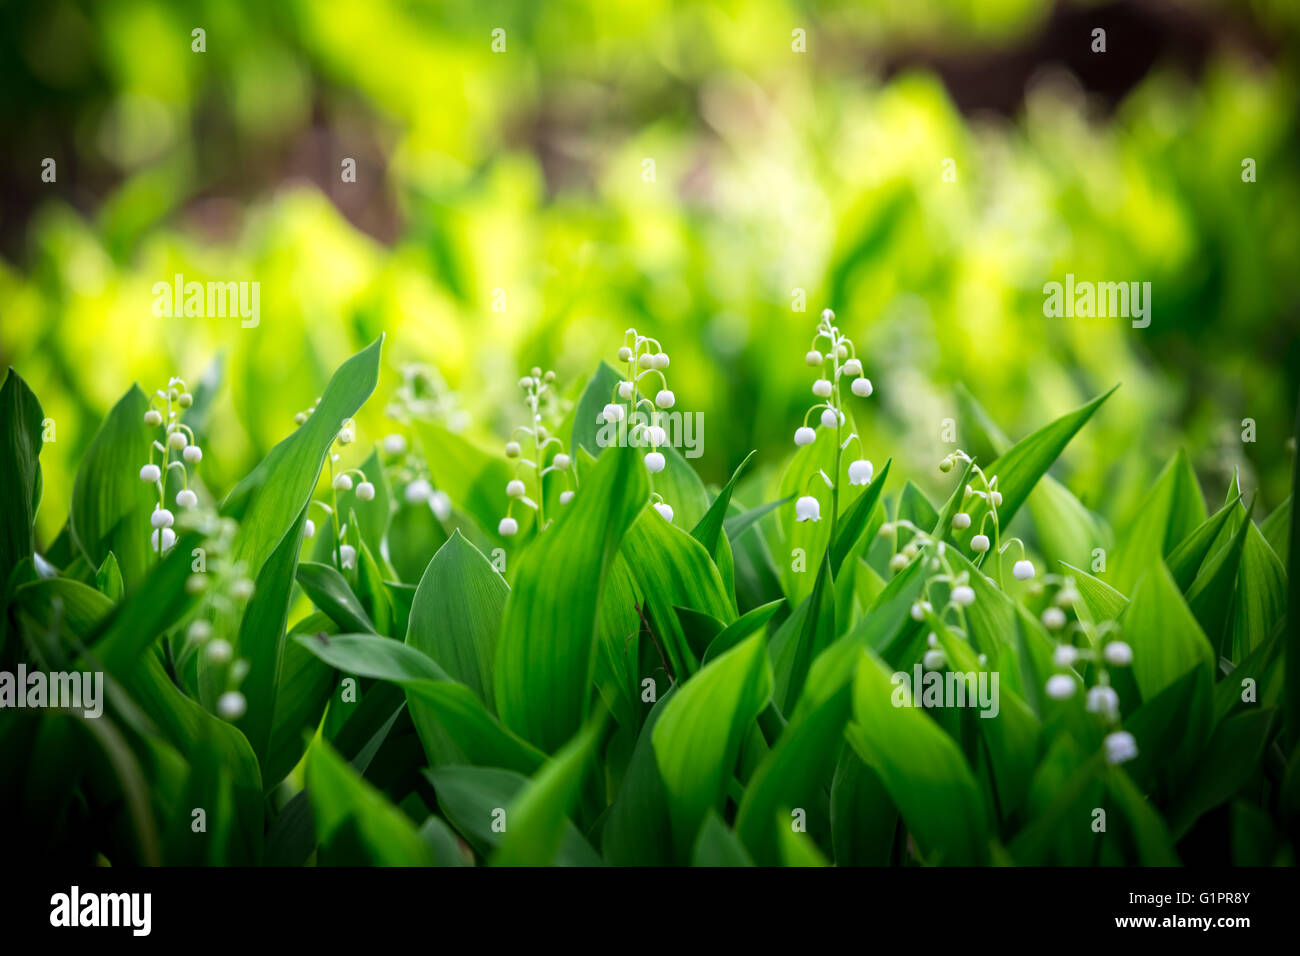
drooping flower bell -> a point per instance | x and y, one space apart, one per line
860 472
807 508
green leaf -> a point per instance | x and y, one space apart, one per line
718 846
709 528
924 771
329 591
740 629
454 707
1169 512
638 829
1227 764
1211 595
672 570
261 638
1166 640
536 817
108 579
20 471
1103 602
1261 594
803 635
476 800
795 773
546 652
863 818
587 413
1276 528
110 504
269 500
302 691
345 806
855 521
457 613
1186 559
697 739
1019 469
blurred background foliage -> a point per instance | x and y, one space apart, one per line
775 171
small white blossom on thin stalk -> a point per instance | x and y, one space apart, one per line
1060 686
176 437
529 447
643 358
1121 747
831 347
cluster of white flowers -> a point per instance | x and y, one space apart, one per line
226 591
179 438
833 355
539 390
643 357
1101 698
424 395
352 479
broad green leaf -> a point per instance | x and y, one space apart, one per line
797 849
455 708
1261 594
801 638
672 570
1155 848
708 530
697 739
1103 602
924 771
302 689
1186 559
456 615
1230 760
1212 593
110 504
856 519
587 413
330 592
535 819
740 629
638 829
1169 512
796 773
1166 640
21 420
269 500
476 800
1276 528
344 805
718 846
546 651
863 819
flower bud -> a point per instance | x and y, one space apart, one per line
300 418
822 388
441 505
161 518
1120 747
996 497
1053 618
665 399
665 510
646 360
153 417
507 527
1022 570
566 497
1118 654
933 660
309 529
654 462
807 508
898 562
1065 655
512 449
347 555
168 537
979 543
218 651
199 631
395 444
514 488
418 490
861 387
963 595
185 400
851 367
366 491
829 418
961 521
231 705
177 440
828 316
660 361
626 390
614 413
1103 700
625 354
186 498
561 461
814 358
242 589
1060 686
150 473
342 482
860 472
193 454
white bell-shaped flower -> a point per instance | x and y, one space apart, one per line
862 387
802 436
860 472
807 508
655 462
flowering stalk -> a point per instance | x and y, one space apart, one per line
345 556
538 389
642 356
176 437
842 358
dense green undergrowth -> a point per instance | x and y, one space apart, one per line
369 665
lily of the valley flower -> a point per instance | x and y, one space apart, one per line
807 508
860 472
1121 747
